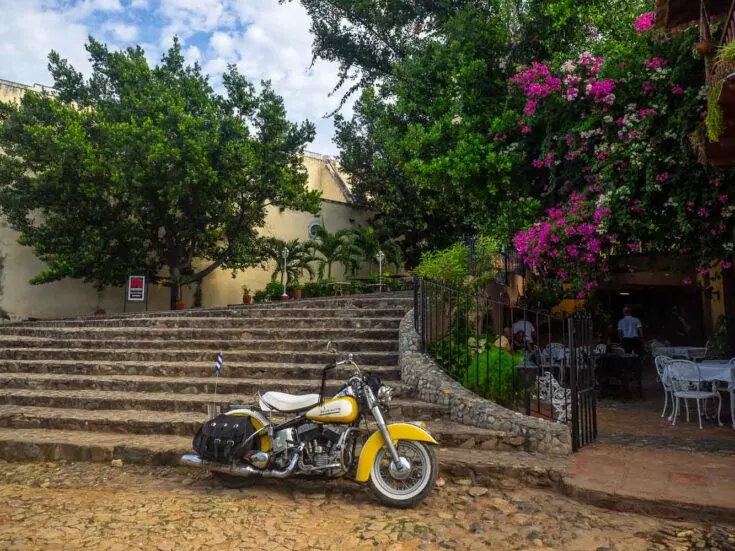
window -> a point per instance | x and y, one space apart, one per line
314 227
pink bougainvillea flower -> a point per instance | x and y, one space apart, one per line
648 88
687 281
644 22
722 198
537 163
678 90
662 177
530 108
655 63
725 264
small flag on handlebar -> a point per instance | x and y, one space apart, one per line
218 365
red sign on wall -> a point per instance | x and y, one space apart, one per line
136 288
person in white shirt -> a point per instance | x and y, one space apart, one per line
630 331
525 327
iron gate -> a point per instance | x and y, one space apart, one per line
582 381
465 332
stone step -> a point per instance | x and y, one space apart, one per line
228 322
186 424
166 401
250 370
204 333
323 311
401 303
40 444
181 385
281 356
348 346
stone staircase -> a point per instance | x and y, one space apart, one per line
136 387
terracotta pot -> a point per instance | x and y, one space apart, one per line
99 312
284 298
179 304
247 299
297 294
704 47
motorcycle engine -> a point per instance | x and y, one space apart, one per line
321 450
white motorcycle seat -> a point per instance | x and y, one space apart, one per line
280 401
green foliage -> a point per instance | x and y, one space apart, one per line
139 168
727 53
317 289
451 266
422 148
448 266
336 247
300 258
493 375
274 290
722 343
260 296
715 120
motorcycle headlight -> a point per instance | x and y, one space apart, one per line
385 394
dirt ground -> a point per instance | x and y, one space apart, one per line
74 506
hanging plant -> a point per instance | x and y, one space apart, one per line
727 53
715 120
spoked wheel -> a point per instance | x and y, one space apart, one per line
233 482
404 488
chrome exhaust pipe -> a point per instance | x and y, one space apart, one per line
191 460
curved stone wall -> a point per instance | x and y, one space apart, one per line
516 430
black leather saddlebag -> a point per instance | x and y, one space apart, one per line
224 438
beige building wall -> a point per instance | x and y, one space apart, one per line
21 300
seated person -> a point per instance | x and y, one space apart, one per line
505 341
525 327
521 341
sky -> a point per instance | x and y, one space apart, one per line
265 39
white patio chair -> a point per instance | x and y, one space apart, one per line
686 383
661 362
601 348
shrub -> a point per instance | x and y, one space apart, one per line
274 290
260 296
493 375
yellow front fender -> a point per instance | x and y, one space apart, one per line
397 431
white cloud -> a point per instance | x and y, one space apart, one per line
28 32
121 31
108 5
192 54
267 41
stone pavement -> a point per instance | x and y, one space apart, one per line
60 506
655 481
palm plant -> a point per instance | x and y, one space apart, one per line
336 247
299 259
371 240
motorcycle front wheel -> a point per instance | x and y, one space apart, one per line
404 489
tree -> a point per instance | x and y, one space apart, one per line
299 259
421 147
141 168
335 247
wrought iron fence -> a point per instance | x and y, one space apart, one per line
520 358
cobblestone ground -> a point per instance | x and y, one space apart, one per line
89 506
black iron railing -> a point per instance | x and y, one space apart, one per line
523 359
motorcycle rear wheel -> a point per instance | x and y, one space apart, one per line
233 482
417 486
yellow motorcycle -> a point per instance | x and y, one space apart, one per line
322 437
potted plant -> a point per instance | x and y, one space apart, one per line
704 47
246 298
274 289
296 291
